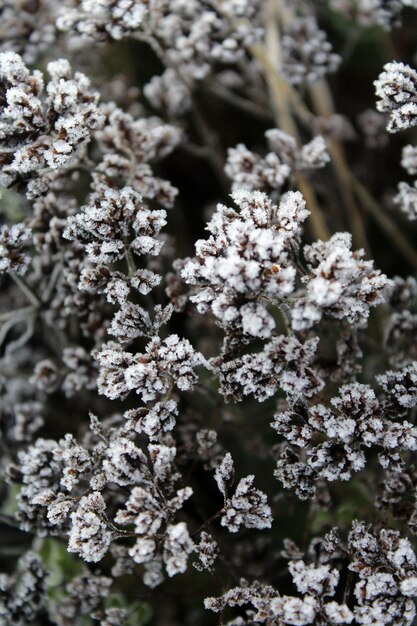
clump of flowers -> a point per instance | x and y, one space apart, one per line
208 314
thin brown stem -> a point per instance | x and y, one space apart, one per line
17 314
26 290
269 58
389 227
212 144
131 266
323 103
239 102
208 522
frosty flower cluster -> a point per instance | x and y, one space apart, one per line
385 565
340 284
208 313
372 12
396 89
247 260
27 27
193 37
250 171
355 422
42 131
103 18
307 55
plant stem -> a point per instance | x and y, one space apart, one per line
389 227
269 58
208 522
131 267
239 102
26 290
16 314
323 103
212 144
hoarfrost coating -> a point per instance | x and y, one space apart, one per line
207 385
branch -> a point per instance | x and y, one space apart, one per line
323 104
269 58
389 227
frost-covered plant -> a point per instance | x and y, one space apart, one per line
386 13
43 133
306 54
207 427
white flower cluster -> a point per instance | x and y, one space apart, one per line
316 584
407 194
247 506
284 363
169 93
89 535
384 563
22 595
147 512
200 34
306 53
104 225
12 240
77 372
355 422
248 258
401 386
194 36
38 471
385 13
407 199
396 88
98 302
207 551
128 147
401 325
340 284
29 27
250 171
155 420
104 18
164 363
42 132
251 257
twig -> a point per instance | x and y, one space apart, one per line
201 152
385 222
208 522
26 290
8 325
269 58
53 281
24 338
9 520
16 314
323 104
131 266
240 103
298 107
214 150
169 392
